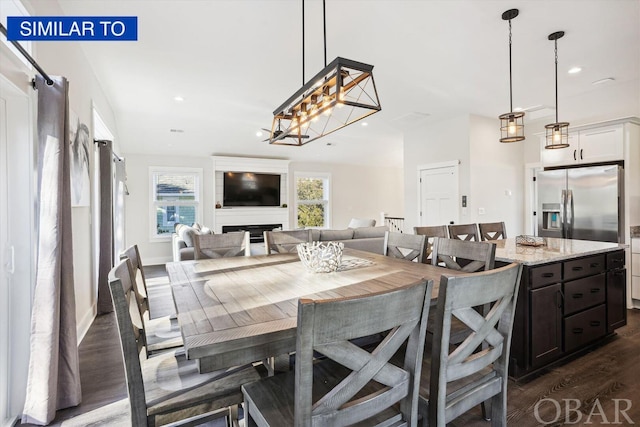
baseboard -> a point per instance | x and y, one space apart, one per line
86 321
11 422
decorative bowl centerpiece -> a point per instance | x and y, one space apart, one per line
525 240
320 257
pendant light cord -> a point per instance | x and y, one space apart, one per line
324 21
556 60
510 78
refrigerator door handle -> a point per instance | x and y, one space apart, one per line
563 219
569 220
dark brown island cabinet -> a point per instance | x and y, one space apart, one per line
572 296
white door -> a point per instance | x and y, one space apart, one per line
438 186
16 247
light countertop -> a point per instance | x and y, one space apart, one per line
554 250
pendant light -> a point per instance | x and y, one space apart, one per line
511 123
342 93
557 134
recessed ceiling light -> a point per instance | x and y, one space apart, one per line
574 70
176 130
178 98
258 133
365 124
518 109
605 80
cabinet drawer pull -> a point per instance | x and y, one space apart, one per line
595 290
618 273
547 275
577 296
582 149
574 154
594 264
577 330
578 268
594 323
617 260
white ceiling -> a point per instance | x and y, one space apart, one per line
235 61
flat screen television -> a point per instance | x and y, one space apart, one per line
251 189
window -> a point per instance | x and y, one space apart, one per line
313 200
175 198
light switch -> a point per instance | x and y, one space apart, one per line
480 211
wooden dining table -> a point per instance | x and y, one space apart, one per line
240 310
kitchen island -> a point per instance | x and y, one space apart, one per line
572 296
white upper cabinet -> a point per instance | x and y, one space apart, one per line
559 156
591 145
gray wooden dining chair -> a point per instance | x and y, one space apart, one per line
476 255
350 385
284 241
410 247
454 381
492 230
431 232
224 245
464 232
160 333
467 256
167 388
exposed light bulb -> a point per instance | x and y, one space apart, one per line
511 129
340 99
557 136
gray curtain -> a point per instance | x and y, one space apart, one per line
54 374
119 192
105 259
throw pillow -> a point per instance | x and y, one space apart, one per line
361 222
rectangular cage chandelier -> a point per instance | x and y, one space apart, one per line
339 95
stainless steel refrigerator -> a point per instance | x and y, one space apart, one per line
584 203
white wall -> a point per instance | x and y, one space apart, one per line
357 191
443 141
153 251
487 169
497 176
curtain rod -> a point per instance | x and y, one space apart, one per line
28 57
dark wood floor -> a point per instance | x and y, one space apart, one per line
592 384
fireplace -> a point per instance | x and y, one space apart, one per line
255 230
